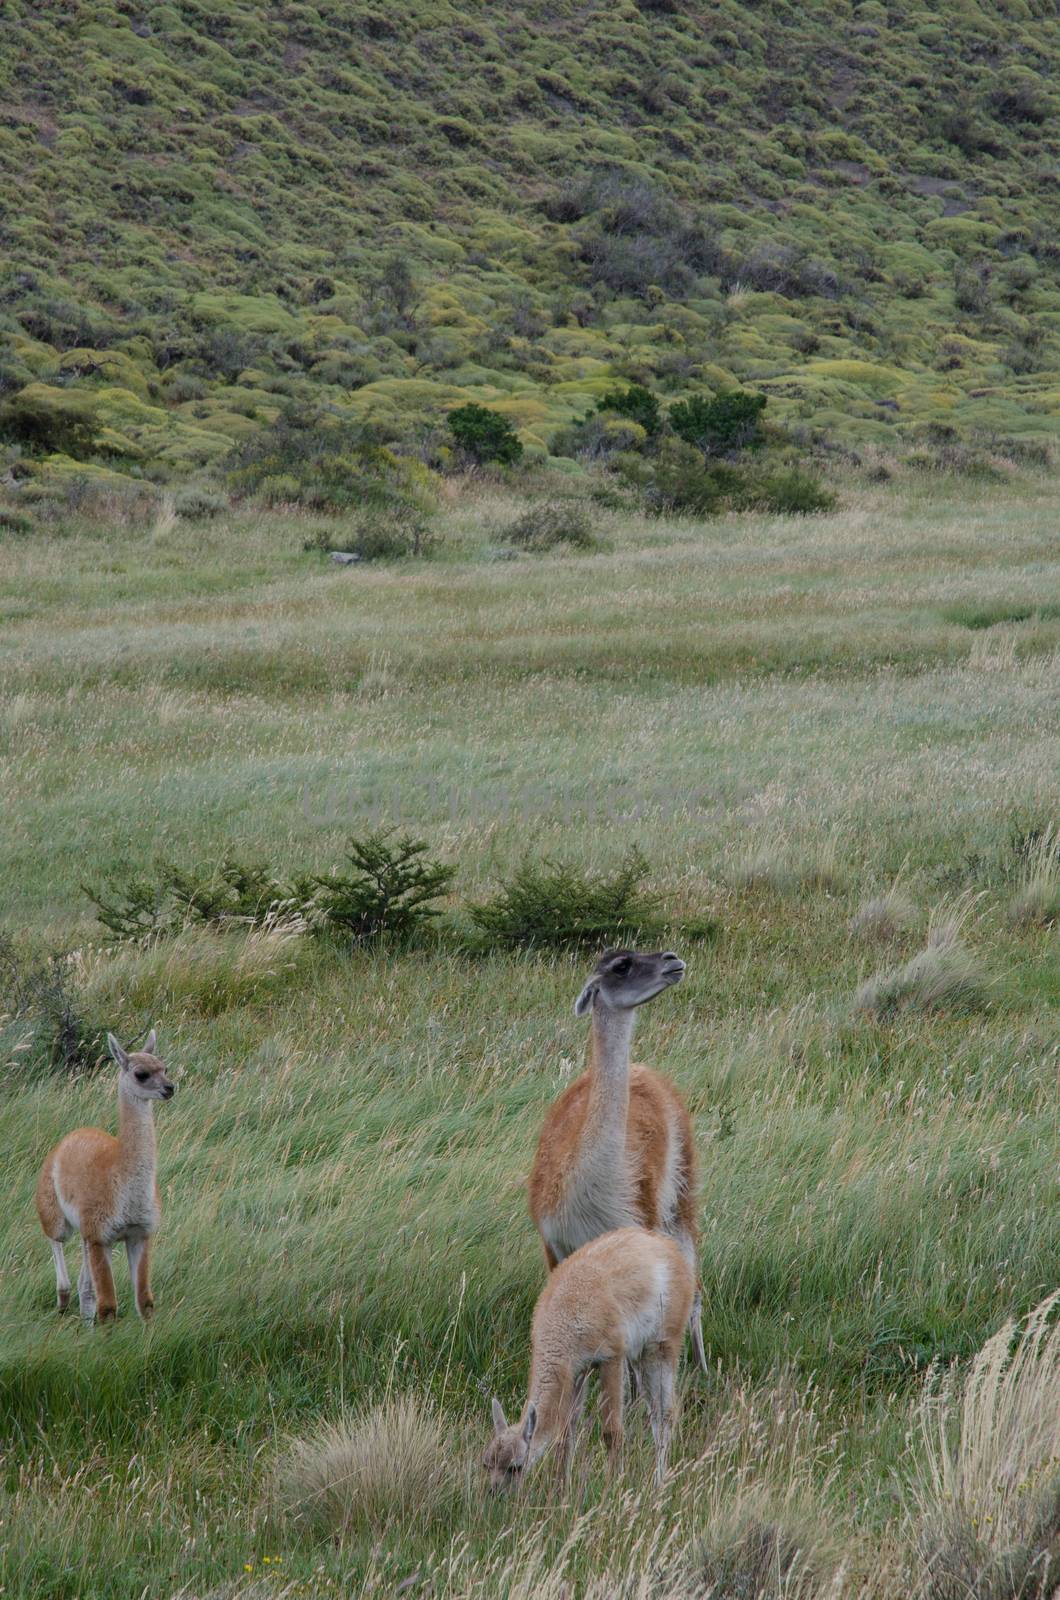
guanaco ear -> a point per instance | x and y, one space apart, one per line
121 1056
585 1000
500 1421
530 1424
150 1042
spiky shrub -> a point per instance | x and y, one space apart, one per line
388 892
484 435
729 421
42 998
140 908
554 904
328 464
793 492
391 1463
133 909
551 523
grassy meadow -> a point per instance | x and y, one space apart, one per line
836 741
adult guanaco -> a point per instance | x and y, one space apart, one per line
616 1149
626 1296
107 1189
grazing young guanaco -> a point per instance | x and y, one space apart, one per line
626 1296
106 1189
616 1149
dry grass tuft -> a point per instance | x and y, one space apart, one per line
379 1464
789 866
884 918
944 976
986 1504
1037 901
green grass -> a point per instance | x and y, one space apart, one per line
343 1167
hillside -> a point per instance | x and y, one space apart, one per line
224 207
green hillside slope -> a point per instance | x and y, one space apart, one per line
217 207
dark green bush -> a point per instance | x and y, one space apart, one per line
730 421
139 908
388 893
40 997
15 522
790 493
551 523
637 403
484 435
391 533
558 905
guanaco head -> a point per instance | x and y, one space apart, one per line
142 1074
623 979
508 1452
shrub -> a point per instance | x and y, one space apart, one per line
790 493
43 995
138 909
383 1463
391 533
597 438
729 421
196 504
551 523
15 522
558 905
484 435
637 403
328 463
388 894
135 909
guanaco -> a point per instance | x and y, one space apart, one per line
107 1189
626 1296
616 1149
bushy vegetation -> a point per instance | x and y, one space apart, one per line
719 424
484 436
387 889
549 523
557 905
865 235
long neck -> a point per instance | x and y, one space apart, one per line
552 1392
610 1039
136 1130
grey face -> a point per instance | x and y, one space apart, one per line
623 979
143 1074
508 1452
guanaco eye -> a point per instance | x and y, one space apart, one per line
141 1077
622 967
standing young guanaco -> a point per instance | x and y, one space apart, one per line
626 1296
106 1189
616 1149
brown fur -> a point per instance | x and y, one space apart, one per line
620 1285
109 1185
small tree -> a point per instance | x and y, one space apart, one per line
388 893
485 435
637 403
730 421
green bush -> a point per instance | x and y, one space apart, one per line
484 435
391 533
41 998
680 483
388 893
790 493
551 523
140 908
328 463
637 403
730 421
558 905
